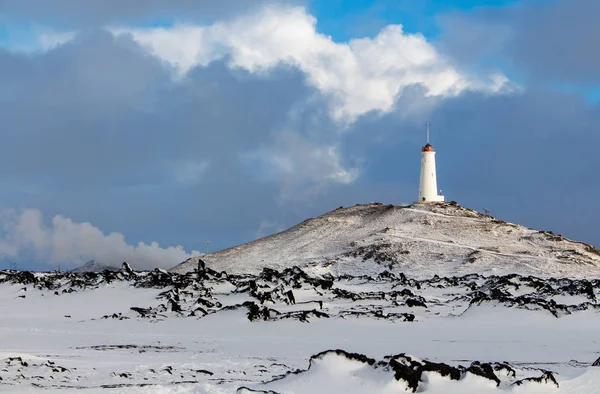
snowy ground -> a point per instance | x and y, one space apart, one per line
210 333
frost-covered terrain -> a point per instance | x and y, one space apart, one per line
292 331
420 240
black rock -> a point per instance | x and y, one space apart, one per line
485 370
125 268
290 297
415 302
410 370
144 312
510 372
547 377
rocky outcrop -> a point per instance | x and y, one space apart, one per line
411 371
270 295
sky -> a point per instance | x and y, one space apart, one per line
138 130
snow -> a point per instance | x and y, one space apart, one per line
167 353
420 240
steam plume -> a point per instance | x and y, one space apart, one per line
23 234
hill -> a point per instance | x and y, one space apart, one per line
419 240
94 266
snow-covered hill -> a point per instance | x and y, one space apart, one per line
419 240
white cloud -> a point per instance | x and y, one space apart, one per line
66 242
359 76
182 46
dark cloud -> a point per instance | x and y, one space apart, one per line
558 40
94 13
99 112
537 41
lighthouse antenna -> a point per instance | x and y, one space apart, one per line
427 124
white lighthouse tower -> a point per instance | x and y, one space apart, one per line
428 183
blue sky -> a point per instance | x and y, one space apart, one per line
346 19
249 119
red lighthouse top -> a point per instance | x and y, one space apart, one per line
428 148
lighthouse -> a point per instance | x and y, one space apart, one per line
428 183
